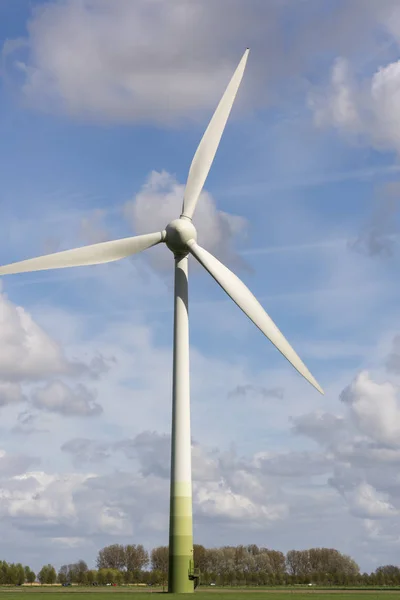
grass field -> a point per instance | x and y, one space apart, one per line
81 593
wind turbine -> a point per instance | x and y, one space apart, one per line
181 238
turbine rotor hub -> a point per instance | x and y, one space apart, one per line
177 235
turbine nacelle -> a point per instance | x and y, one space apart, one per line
177 235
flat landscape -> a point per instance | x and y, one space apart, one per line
78 593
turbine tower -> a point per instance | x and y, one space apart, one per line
181 238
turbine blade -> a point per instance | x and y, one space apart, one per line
87 255
241 295
208 146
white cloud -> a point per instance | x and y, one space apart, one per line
384 98
60 398
154 61
42 496
221 488
363 451
27 352
218 500
324 428
366 109
374 408
160 201
70 504
205 464
338 104
366 502
123 74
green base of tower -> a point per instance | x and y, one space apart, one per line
178 577
181 567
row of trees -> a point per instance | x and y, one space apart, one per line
228 565
123 558
15 574
239 559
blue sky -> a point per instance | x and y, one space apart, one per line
102 105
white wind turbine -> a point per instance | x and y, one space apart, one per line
181 238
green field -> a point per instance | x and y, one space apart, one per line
81 593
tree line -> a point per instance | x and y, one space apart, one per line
225 566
